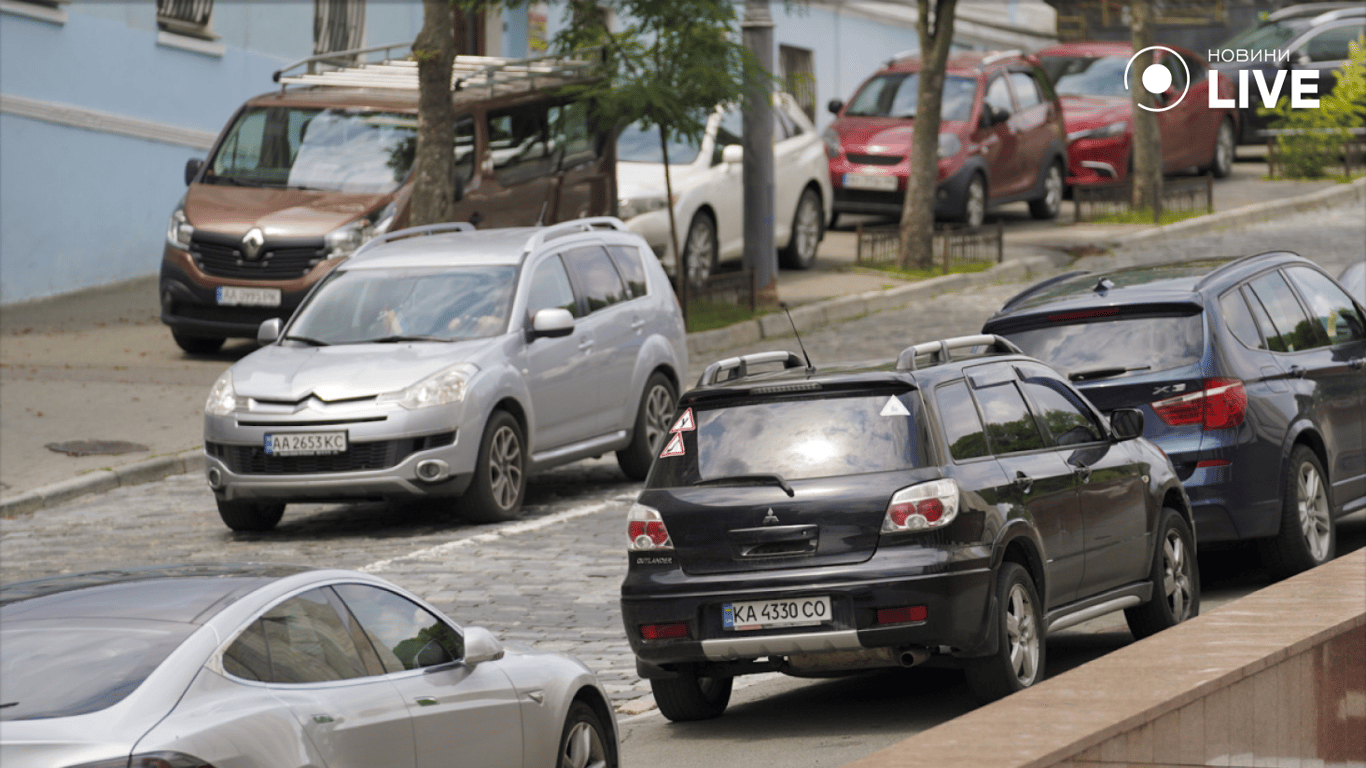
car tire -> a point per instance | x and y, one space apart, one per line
499 485
1307 538
1221 161
1048 206
1019 659
807 230
1175 578
974 210
198 345
699 248
249 516
584 742
657 403
690 696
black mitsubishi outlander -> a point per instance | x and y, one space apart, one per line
955 505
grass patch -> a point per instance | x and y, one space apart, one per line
925 273
1145 216
708 316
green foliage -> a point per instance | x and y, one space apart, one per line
1319 134
1145 216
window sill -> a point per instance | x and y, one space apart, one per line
197 45
39 11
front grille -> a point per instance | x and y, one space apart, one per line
359 457
844 194
876 159
221 256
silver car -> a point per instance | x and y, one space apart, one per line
197 666
447 362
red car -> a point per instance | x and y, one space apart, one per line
1001 138
1089 79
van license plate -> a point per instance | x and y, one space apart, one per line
305 443
880 183
237 296
768 614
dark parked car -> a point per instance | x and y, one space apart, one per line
953 506
1249 373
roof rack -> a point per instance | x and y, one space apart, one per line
399 234
998 55
738 367
574 226
939 350
355 69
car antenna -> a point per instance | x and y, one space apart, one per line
809 367
540 220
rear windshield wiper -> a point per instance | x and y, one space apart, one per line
308 340
396 339
1105 373
760 479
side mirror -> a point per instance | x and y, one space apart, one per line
553 322
481 646
1127 423
732 154
192 168
835 106
269 331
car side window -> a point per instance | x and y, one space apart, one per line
1332 44
1068 421
1173 65
1010 425
550 288
406 635
519 140
962 424
1238 317
1290 329
1329 305
571 134
627 259
1026 90
598 280
301 640
998 95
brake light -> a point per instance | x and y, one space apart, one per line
1084 314
904 615
664 631
645 529
1220 405
922 507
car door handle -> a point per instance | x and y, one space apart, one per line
1297 371
585 344
1082 472
638 323
1023 482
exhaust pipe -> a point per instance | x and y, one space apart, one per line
432 470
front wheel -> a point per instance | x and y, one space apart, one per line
1019 658
1050 203
974 210
690 696
495 494
651 425
1307 538
1175 579
1221 163
699 248
247 516
585 743
806 234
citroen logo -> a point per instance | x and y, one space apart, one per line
770 518
252 242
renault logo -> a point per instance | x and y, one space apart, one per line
252 242
770 518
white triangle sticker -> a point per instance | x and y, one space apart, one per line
684 423
894 408
674 447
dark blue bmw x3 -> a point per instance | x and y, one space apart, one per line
1251 374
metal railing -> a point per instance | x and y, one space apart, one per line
953 245
1094 201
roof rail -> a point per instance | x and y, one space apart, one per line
1031 289
906 54
738 367
430 229
998 55
573 226
939 350
1238 262
1341 13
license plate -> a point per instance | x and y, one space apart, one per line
880 183
768 614
237 296
305 443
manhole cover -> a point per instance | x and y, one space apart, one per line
95 447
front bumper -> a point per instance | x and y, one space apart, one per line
948 197
1098 161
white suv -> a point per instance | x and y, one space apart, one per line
447 362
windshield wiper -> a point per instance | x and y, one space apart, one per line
308 340
397 339
1104 373
758 479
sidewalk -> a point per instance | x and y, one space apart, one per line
99 365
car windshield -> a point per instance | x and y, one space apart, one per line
1269 36
894 95
796 439
638 144
63 668
1137 343
1087 75
430 303
336 150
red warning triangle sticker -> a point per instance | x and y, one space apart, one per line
684 423
674 447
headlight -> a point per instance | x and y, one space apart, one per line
344 240
1103 132
179 231
832 142
223 399
443 387
949 144
631 207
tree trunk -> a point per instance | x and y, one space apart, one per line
680 262
434 162
1147 149
916 244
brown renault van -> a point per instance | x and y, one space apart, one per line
301 177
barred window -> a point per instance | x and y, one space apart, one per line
186 17
338 25
799 75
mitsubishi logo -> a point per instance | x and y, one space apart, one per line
770 518
252 242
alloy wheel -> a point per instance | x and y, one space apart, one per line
659 407
584 748
1177 578
1312 501
975 207
808 229
505 467
1052 189
1022 633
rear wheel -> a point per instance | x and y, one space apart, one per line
690 696
807 230
585 743
1048 205
1019 658
1307 538
495 494
652 424
198 345
250 516
1175 579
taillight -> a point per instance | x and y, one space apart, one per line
645 529
922 507
1220 405
675 631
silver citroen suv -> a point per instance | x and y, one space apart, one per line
445 362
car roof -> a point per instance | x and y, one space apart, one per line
1103 48
959 62
459 244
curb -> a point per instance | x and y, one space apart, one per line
705 343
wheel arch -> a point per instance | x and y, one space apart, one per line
1307 435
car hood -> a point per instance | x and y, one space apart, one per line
643 179
278 212
347 371
1085 112
877 135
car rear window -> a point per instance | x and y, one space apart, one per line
1098 347
65 668
796 439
